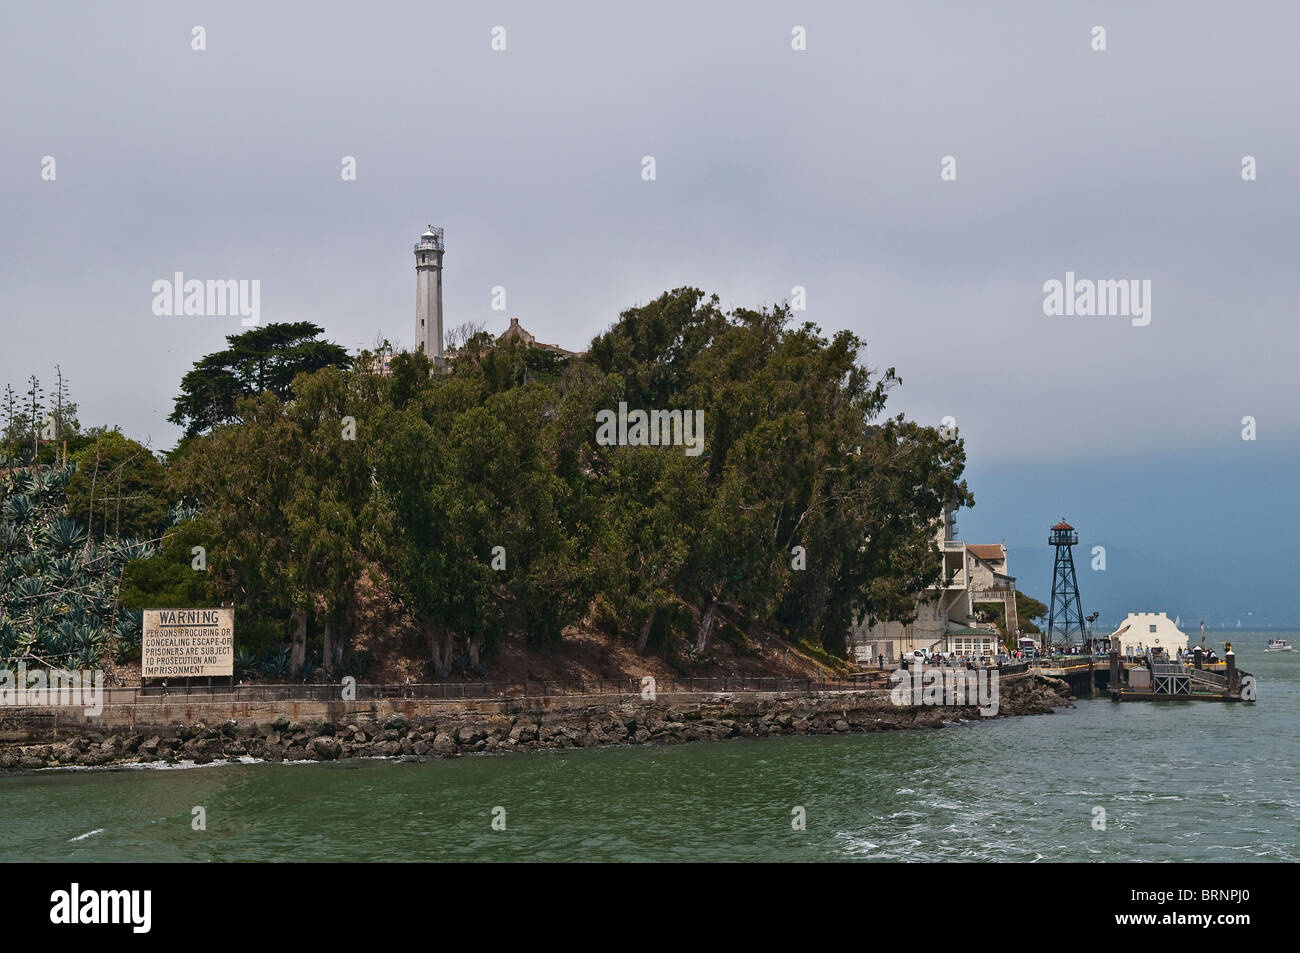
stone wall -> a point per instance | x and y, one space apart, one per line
324 731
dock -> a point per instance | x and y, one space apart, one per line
1146 679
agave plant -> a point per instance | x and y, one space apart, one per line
277 664
19 510
63 534
12 539
245 664
8 640
180 513
57 591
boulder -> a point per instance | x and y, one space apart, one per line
523 731
327 747
470 734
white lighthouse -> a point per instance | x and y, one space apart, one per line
428 294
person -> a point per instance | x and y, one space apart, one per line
882 661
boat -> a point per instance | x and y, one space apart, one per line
1279 645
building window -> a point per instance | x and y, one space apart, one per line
1153 628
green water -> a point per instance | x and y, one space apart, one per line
1178 782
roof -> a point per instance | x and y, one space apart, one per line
517 332
991 551
1063 525
969 630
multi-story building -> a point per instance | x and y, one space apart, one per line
973 574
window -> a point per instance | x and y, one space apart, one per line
1153 628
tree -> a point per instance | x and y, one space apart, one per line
259 360
461 334
284 492
1028 609
119 488
484 501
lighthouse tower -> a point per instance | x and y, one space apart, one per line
1065 618
428 294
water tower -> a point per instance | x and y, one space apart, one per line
1065 624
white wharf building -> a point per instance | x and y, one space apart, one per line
1150 630
973 574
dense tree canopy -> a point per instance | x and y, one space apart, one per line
484 499
264 359
118 488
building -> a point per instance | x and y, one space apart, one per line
1147 630
974 574
429 334
516 332
428 294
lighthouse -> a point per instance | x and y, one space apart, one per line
428 294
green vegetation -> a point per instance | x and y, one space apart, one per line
451 476
58 588
477 504
1029 612
257 361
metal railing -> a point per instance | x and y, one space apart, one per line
468 691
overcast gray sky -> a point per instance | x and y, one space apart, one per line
775 168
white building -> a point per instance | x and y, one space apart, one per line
973 574
1146 630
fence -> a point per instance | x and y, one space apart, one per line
455 691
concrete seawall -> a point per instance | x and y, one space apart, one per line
210 728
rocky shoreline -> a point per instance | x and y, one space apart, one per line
527 728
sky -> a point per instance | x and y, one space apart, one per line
774 168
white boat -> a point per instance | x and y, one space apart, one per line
1279 645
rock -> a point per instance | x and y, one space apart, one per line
327 747
93 756
444 745
470 734
64 753
523 731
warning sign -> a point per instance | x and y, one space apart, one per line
188 643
